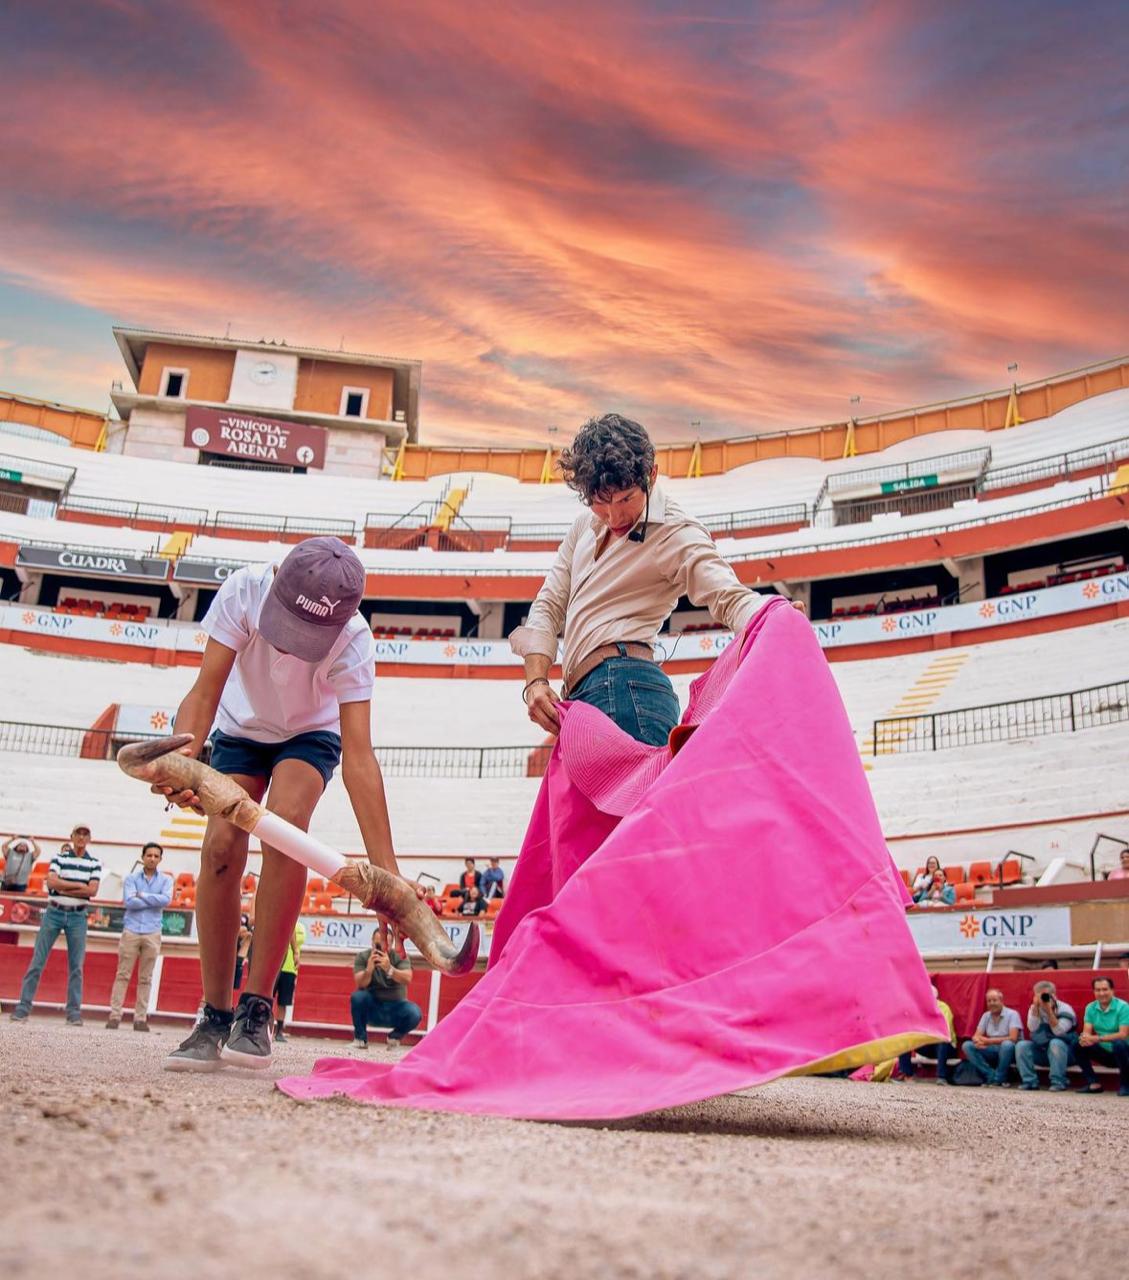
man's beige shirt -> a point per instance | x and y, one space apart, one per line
630 591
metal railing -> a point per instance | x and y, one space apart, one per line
730 521
345 529
911 503
1058 466
395 762
972 462
130 512
1003 721
33 471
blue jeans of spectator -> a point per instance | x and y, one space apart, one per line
56 921
401 1016
1116 1054
633 693
993 1061
1055 1054
942 1052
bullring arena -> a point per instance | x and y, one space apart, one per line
964 567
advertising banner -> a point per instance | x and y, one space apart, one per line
243 435
92 564
354 933
101 918
187 637
943 932
206 573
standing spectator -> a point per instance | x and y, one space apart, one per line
20 854
242 948
145 893
924 879
1104 1038
287 978
942 1051
493 881
72 880
474 904
1121 872
1053 1028
470 879
380 976
992 1048
938 894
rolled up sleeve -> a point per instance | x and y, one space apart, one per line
701 572
545 622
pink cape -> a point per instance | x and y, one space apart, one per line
677 928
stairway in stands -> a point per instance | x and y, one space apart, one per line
918 700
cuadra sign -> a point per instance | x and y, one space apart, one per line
240 435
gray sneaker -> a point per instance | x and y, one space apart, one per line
201 1051
249 1044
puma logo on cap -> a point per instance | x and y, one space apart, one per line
320 609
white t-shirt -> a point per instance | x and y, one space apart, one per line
272 696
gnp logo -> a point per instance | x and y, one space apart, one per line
908 623
1016 606
391 648
1012 927
1115 586
828 632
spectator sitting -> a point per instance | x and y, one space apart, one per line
474 904
1053 1027
493 881
924 879
433 900
1104 1038
1118 873
381 974
992 1048
939 893
470 879
21 853
941 1051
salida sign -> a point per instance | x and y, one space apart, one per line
241 435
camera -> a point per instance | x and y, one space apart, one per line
1046 997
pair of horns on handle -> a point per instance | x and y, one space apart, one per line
161 763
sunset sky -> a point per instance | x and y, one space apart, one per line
738 214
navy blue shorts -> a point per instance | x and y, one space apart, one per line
320 749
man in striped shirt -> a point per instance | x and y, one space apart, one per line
72 881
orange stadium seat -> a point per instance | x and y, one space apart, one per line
186 880
954 875
906 878
315 885
1011 871
250 884
966 892
980 873
323 903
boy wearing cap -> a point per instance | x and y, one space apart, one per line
287 681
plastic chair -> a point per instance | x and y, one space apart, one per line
980 873
323 903
1010 871
966 892
954 875
315 885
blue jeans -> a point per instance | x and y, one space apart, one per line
993 1061
56 921
401 1016
942 1051
634 693
1055 1055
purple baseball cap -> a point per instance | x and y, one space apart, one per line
314 594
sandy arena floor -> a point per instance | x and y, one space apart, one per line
114 1168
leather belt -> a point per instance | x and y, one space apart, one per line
590 661
61 907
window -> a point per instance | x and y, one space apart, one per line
354 402
174 382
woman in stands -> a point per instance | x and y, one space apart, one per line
620 571
287 680
924 879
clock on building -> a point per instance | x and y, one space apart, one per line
264 372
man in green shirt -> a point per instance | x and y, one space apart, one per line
1104 1038
381 974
